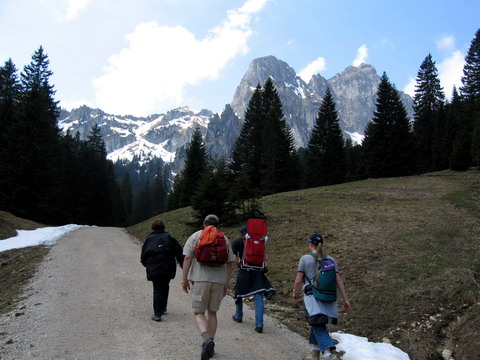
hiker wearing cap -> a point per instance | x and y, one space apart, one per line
206 274
250 283
319 277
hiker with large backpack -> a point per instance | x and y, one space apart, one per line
206 274
159 252
250 253
318 276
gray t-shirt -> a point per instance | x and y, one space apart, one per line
308 266
200 272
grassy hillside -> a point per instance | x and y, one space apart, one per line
408 249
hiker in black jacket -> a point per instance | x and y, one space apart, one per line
158 256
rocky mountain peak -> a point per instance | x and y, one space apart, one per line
165 135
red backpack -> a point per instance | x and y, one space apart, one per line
215 254
254 245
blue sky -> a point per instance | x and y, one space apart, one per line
142 57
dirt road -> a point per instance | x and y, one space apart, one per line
90 300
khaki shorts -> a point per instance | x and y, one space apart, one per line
206 296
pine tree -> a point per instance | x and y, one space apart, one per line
248 148
279 164
325 156
36 147
209 196
470 91
244 197
355 165
388 140
9 98
427 104
159 193
142 204
195 165
127 196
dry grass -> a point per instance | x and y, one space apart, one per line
16 266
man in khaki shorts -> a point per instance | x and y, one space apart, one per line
208 286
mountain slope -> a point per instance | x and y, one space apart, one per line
165 135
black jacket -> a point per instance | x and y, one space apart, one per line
158 255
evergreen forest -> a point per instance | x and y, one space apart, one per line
57 179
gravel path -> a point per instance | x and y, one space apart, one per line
90 300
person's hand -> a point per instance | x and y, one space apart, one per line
225 290
295 294
186 286
346 305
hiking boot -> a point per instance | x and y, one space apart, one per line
314 355
328 356
259 330
208 348
156 317
236 319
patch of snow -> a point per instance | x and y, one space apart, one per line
357 138
357 348
41 236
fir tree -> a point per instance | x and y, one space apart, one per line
470 91
355 165
127 196
142 204
278 165
195 165
9 98
427 105
209 196
98 184
37 140
159 193
325 157
388 140
244 197
248 148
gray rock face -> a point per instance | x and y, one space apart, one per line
165 135
354 91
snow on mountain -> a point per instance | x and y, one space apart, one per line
166 135
158 135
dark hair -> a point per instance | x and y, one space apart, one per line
158 225
212 220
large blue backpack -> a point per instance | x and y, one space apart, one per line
324 287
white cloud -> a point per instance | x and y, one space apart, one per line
410 87
450 72
74 104
362 54
315 67
446 43
151 74
65 10
253 6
